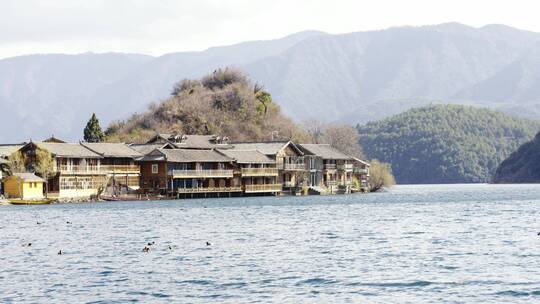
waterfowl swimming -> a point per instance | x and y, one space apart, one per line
170 248
68 222
27 245
146 249
38 223
208 244
152 243
60 252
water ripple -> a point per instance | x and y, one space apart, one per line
415 244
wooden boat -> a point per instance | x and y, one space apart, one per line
31 202
121 198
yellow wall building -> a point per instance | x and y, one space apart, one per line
24 185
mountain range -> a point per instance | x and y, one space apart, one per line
353 78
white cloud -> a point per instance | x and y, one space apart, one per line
161 26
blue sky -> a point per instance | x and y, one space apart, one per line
162 26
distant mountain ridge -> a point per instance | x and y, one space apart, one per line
354 78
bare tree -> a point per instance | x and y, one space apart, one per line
380 176
344 138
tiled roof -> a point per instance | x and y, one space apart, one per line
29 177
68 150
7 150
325 151
200 142
117 150
248 157
268 148
361 161
191 155
146 148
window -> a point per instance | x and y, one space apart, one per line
155 168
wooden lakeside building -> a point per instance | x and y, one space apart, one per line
76 170
188 173
120 163
330 170
194 166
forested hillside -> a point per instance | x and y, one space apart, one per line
225 102
445 143
522 166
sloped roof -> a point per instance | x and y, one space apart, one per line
200 142
163 137
7 150
116 150
68 150
268 148
325 151
146 148
191 155
248 156
53 139
362 161
29 177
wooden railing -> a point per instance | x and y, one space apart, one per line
80 169
121 168
294 166
361 171
259 171
95 169
264 188
209 189
346 167
330 166
202 173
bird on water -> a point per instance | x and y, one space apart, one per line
60 252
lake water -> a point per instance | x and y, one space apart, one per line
415 244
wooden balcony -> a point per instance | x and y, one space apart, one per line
209 190
346 167
294 166
361 171
80 169
202 173
121 169
259 172
330 166
263 188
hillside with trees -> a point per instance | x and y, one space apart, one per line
522 166
225 102
445 143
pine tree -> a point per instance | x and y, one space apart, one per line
92 131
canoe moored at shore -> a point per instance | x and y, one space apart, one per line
31 202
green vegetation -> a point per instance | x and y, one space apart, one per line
92 131
224 103
522 166
380 176
445 143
